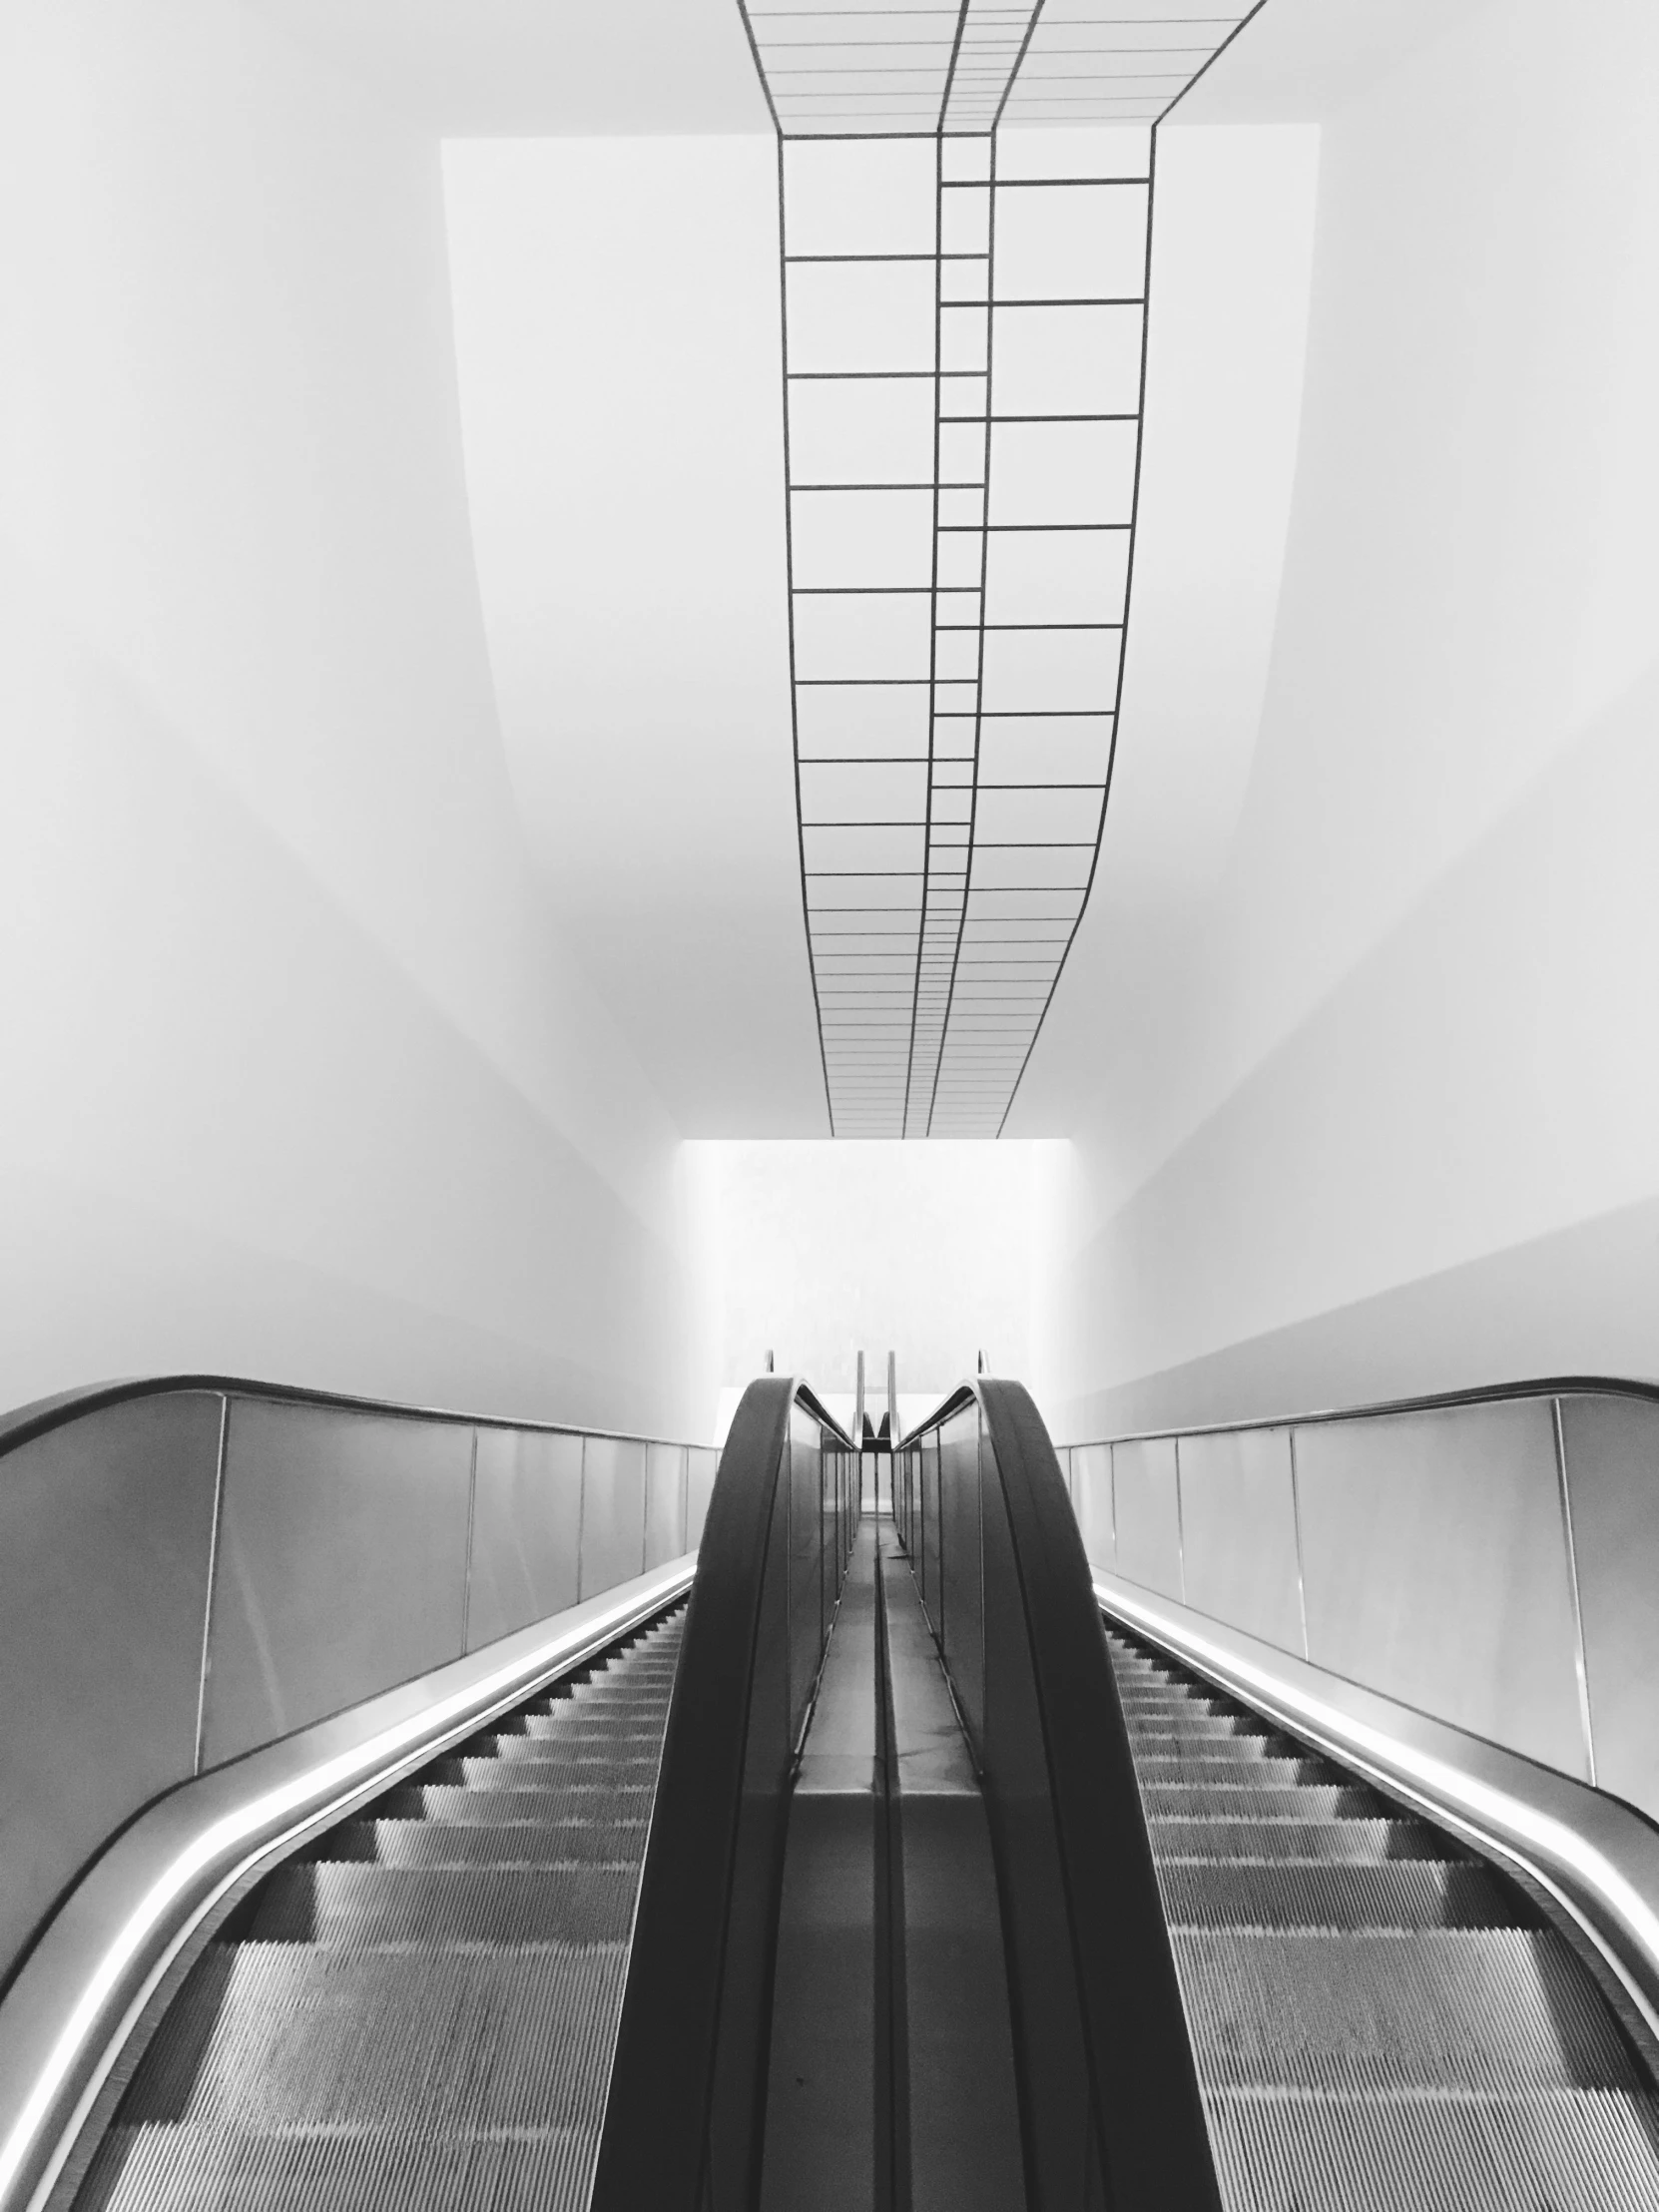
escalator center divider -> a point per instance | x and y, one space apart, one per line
685 2114
1111 2108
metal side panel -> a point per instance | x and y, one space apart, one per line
106 1530
88 1980
526 1530
1589 1856
341 1565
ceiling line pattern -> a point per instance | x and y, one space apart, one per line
964 320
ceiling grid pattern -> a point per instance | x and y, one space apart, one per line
964 310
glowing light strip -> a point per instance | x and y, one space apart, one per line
1504 1822
269 1817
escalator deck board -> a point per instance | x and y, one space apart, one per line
1381 2022
419 2009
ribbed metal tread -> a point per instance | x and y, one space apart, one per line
1174 1767
542 1843
1214 1835
522 1802
419 2009
1246 1800
1380 2021
1581 2151
451 2039
1470 2008
587 1898
200 2169
1399 1894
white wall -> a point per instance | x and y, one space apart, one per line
823 1249
1382 1114
618 335
297 1077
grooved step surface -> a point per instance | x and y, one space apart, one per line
419 2009
1380 2021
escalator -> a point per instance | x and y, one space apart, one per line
882 1876
1378 2017
418 2010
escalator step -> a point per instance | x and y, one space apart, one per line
506 1800
1573 2151
353 1908
164 2169
450 2041
1270 1773
1241 1799
1449 2008
1265 1893
541 1843
1351 1841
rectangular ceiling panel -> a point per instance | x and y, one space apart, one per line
963 350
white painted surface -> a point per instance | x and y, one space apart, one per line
617 323
1402 1045
299 1079
542 68
822 1251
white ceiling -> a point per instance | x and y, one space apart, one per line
617 332
544 68
617 293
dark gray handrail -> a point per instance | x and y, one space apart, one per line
683 2117
1107 2078
41 1414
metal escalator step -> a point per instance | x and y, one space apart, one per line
1244 1799
1272 1772
1207 1770
542 1843
1582 2150
1233 1749
467 1773
504 1799
1205 1728
617 1748
576 1725
1176 1836
1397 1894
353 1906
195 2169
287 2035
1451 2008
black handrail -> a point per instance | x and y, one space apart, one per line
41 1414
1433 1402
1110 2103
683 2119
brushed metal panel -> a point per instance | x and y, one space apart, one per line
930 1531
613 1512
1238 1532
702 1465
526 1529
341 1565
1091 1489
803 1477
1434 1569
961 1563
665 1502
1612 1455
106 1528
1148 1527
